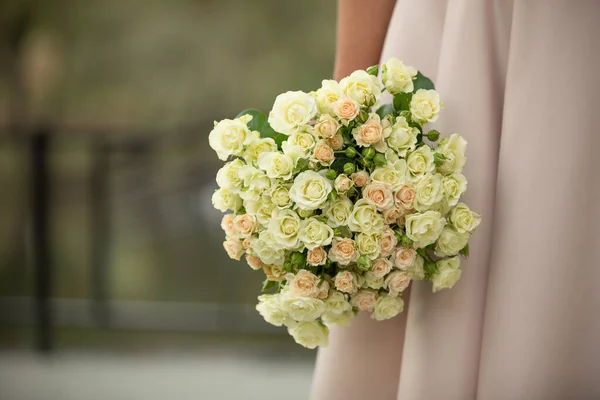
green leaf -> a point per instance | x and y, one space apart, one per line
430 268
373 70
338 164
260 123
423 82
465 251
268 285
385 110
402 101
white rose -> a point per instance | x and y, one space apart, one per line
343 251
255 182
274 273
424 228
394 174
362 87
280 196
338 211
381 267
327 126
234 248
342 183
404 258
420 162
267 250
448 274
263 145
327 95
292 111
454 149
229 137
387 307
310 190
317 256
463 219
379 194
454 186
365 218
228 176
346 282
269 307
417 270
451 242
261 208
397 77
314 233
310 334
402 137
285 227
298 145
367 244
425 106
428 192
304 284
388 242
396 282
276 165
336 303
372 281
364 300
302 309
224 200
342 319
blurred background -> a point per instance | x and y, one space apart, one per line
113 281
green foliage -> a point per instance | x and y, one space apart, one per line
270 285
465 251
260 123
402 101
423 82
385 110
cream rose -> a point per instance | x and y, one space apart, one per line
298 145
274 273
397 77
451 242
228 176
323 154
224 200
261 208
428 192
264 145
285 227
342 184
405 197
395 174
310 334
425 106
420 162
388 242
417 270
396 282
327 126
454 186
387 307
302 309
404 258
463 219
314 233
402 138
379 194
280 196
454 149
254 262
227 225
342 319
329 92
244 225
255 182
310 190
276 165
267 250
269 307
234 248
346 109
292 111
365 218
367 244
336 303
343 251
381 267
448 274
424 228
336 142
364 300
360 178
316 256
362 87
338 211
346 282
229 137
304 284
372 281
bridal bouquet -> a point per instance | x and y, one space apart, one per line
342 201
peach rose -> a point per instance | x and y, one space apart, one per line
346 109
244 225
316 256
274 273
364 300
396 282
254 262
360 178
381 267
323 290
404 258
323 153
378 194
227 225
387 243
346 282
369 133
304 284
336 142
327 126
247 242
342 183
233 248
405 197
391 215
343 251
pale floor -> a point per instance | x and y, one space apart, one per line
84 375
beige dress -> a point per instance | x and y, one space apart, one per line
521 82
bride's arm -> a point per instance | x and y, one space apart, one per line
361 29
